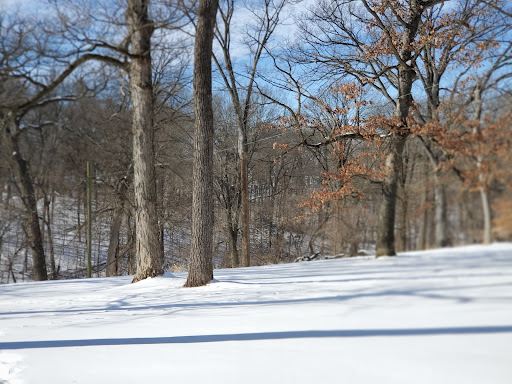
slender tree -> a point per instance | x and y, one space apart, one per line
200 271
266 20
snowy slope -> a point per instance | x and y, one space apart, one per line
442 316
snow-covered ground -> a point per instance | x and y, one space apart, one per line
442 316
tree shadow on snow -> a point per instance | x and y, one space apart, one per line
311 334
428 292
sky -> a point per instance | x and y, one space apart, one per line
22 5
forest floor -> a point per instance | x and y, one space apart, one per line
439 316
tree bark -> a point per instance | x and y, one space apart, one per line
148 252
200 270
386 230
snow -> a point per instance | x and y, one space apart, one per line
440 316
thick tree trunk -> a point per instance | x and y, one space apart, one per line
112 268
386 230
200 270
26 188
148 252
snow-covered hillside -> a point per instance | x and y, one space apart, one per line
442 316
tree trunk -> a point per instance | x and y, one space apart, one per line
403 223
244 186
404 204
423 220
89 220
386 230
441 233
26 188
200 270
486 210
148 252
79 220
115 226
48 221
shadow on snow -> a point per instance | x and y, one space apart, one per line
311 334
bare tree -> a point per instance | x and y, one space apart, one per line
23 42
266 20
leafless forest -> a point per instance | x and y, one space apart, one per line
340 128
